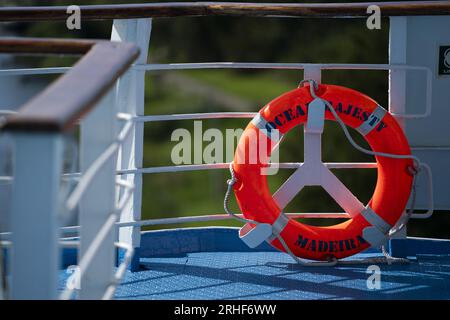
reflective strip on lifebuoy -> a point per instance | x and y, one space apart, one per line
371 224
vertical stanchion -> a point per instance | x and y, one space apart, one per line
98 132
130 92
34 216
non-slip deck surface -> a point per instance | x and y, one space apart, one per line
272 275
179 271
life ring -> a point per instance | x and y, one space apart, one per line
369 224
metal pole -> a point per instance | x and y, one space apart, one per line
34 216
130 91
98 132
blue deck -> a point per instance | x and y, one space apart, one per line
212 263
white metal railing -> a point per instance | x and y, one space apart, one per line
39 181
311 68
126 148
99 241
92 170
89 255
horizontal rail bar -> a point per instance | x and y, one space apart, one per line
280 66
73 176
286 66
187 219
222 65
196 116
60 106
4 236
62 243
33 71
300 66
213 166
218 217
192 9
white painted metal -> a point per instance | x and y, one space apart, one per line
130 92
85 179
214 166
425 35
339 192
429 193
98 202
87 260
313 172
125 132
289 189
429 137
438 159
35 227
397 55
196 116
4 236
312 72
121 269
253 237
210 166
89 174
280 66
218 217
33 71
314 127
397 78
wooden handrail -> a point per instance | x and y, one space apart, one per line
60 105
176 9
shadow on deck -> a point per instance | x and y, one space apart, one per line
212 263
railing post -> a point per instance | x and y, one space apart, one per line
130 91
34 215
98 132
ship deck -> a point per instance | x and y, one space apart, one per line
212 263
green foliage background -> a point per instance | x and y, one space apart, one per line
241 39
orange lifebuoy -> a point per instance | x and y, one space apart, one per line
366 228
